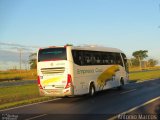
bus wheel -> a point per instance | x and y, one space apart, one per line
121 84
92 90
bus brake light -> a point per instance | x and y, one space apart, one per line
69 81
39 83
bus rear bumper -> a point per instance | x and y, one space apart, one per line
56 92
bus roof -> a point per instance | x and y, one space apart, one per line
97 48
89 47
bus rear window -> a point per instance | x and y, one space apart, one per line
51 54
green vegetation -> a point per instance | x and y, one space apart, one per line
18 75
144 75
139 60
20 95
24 102
33 60
16 93
133 69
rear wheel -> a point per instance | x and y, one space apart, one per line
121 84
92 90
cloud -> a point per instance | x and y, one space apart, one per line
10 55
16 46
11 44
11 59
7 56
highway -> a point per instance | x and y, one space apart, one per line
134 98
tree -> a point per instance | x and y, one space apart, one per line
152 62
135 62
140 55
33 61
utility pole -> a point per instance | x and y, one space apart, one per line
20 58
140 64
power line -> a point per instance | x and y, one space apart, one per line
17 47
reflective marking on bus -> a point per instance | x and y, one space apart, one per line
51 80
106 76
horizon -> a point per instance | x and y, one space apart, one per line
10 58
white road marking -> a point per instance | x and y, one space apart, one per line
36 117
141 81
128 91
29 104
135 108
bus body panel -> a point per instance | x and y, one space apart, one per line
85 75
56 75
53 75
53 78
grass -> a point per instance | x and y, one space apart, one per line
17 93
20 95
144 75
24 102
18 75
132 69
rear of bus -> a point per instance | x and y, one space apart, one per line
54 73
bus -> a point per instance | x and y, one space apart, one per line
77 70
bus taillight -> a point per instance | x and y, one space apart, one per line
69 81
38 79
39 83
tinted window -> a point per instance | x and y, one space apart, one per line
77 57
105 58
84 57
125 61
52 54
118 59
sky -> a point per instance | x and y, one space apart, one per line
129 25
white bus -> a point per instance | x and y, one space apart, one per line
78 70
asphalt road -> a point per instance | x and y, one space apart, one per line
135 98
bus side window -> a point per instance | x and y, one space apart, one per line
97 58
118 59
81 57
111 58
105 58
78 57
93 58
125 61
114 58
86 58
90 57
75 56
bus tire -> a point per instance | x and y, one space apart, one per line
92 90
120 87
